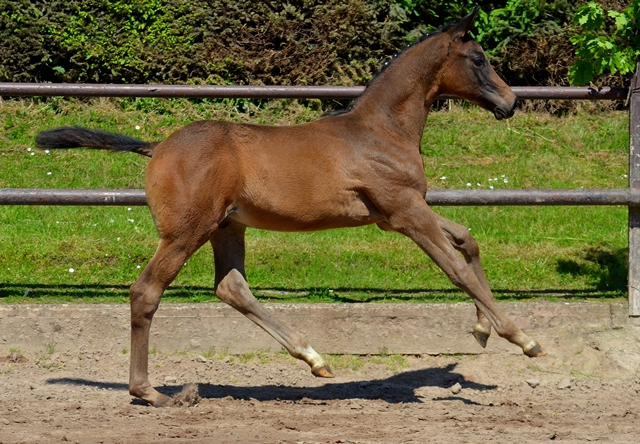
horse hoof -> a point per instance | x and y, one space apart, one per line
163 401
535 351
322 372
481 337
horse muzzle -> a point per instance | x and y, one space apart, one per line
502 112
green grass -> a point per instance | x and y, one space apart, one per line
528 252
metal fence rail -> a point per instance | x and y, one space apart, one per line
274 92
86 197
629 197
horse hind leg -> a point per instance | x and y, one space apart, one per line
233 289
145 297
460 238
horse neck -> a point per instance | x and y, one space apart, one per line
400 97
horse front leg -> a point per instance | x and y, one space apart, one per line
416 220
460 239
233 289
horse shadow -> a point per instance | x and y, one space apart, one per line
399 388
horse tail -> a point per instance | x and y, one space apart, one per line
78 137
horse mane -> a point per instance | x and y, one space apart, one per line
386 65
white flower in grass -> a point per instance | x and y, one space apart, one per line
138 127
46 151
33 154
129 209
29 149
71 270
118 239
491 187
468 184
48 173
443 178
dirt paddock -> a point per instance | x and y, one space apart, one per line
586 390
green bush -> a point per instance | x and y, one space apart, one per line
302 42
176 41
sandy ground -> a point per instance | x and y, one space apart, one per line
592 395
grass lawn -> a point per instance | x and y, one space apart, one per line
93 254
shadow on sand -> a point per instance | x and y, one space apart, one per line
399 388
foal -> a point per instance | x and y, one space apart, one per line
210 180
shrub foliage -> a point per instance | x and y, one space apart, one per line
272 42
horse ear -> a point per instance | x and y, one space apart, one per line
463 26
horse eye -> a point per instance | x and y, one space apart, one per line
478 62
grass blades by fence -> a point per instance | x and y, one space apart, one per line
92 254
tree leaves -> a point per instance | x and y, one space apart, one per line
604 47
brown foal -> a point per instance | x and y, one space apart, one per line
210 180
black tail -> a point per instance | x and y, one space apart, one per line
78 137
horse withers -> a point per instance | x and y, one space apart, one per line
210 180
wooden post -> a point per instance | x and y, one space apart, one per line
634 182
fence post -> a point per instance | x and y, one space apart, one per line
634 182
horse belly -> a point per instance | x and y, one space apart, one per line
347 209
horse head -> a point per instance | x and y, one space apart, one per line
468 73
